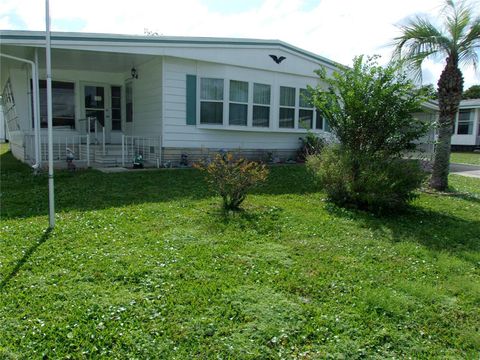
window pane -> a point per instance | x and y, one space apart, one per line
211 112
63 103
305 99
261 94
116 125
129 102
465 128
238 114
116 92
287 118
94 97
238 91
211 89
116 114
261 116
287 96
318 121
464 115
305 119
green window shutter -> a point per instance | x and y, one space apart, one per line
191 99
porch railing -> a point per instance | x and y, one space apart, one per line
95 130
78 144
149 147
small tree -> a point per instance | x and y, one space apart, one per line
473 92
370 108
233 178
370 111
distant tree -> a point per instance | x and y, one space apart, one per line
458 41
148 32
473 92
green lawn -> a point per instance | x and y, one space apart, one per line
465 158
143 265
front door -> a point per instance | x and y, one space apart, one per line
96 110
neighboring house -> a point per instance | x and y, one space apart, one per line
115 96
466 135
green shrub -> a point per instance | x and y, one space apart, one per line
379 185
232 178
311 144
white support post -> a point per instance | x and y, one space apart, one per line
123 150
51 192
88 150
103 140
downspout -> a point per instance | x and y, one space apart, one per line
36 119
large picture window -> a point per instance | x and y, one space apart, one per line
63 104
238 107
287 107
465 122
261 105
211 101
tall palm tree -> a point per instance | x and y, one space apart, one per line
457 40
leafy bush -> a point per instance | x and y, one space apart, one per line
370 108
370 111
232 178
380 185
311 145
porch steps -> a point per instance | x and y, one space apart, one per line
111 158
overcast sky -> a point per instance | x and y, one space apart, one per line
336 29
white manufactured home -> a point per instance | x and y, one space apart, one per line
117 96
466 135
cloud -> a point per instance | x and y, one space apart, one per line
336 29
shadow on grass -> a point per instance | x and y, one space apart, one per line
18 266
25 195
429 228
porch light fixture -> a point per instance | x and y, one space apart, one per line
134 73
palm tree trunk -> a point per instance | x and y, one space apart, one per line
450 87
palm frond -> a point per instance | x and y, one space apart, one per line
472 38
458 16
420 39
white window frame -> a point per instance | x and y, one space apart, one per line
248 103
294 107
224 103
470 121
269 105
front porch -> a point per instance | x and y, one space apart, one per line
105 106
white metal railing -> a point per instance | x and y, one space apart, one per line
149 147
95 129
78 144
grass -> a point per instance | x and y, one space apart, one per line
470 158
143 265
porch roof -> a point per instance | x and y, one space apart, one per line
71 59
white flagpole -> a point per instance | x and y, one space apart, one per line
51 193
